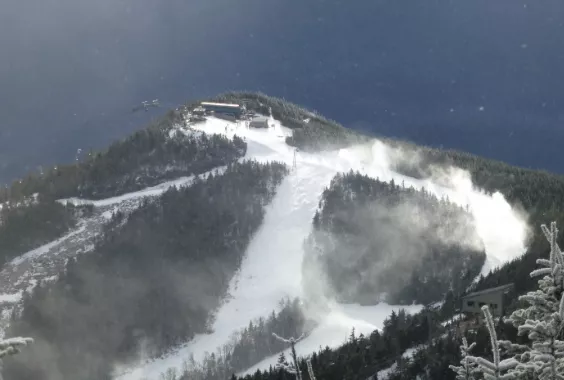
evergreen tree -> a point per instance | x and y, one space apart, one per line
497 369
468 367
542 321
12 346
294 367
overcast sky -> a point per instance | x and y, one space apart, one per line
480 75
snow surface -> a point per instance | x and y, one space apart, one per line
152 191
271 267
35 253
408 354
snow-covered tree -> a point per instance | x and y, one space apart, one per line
542 321
467 368
497 369
12 346
310 370
294 367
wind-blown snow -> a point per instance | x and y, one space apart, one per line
272 265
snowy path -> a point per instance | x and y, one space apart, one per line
152 191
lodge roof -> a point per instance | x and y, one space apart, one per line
502 288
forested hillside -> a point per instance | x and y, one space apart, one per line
152 280
377 240
31 216
146 158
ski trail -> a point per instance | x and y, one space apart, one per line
275 251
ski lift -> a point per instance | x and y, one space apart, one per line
146 105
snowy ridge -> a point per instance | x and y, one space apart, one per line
255 292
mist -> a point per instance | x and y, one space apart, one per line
406 234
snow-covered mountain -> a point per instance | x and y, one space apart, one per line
271 268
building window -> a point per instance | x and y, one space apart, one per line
470 303
482 304
494 305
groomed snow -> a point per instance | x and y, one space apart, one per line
271 268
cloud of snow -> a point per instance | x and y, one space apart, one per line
502 228
495 226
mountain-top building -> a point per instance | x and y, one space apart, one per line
223 109
259 122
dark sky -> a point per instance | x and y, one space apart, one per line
484 76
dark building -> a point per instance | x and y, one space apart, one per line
223 109
494 297
259 122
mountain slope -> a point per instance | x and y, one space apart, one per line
272 267
317 170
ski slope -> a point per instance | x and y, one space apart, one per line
271 269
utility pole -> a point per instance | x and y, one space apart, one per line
294 165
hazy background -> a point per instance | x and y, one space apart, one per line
483 76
